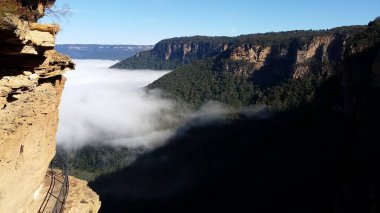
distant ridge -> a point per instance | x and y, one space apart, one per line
173 53
99 51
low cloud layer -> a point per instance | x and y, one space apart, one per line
110 106
101 105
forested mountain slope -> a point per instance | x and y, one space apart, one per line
280 70
318 156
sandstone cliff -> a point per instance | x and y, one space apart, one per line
31 85
290 58
297 51
171 53
183 50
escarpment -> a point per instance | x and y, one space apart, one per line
31 84
172 53
274 56
280 70
183 51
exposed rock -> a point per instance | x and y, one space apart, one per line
186 50
28 120
280 56
317 49
251 53
310 50
82 198
31 85
287 61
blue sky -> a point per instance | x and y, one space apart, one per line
149 21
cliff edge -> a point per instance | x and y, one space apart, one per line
31 84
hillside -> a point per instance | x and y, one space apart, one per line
320 156
280 70
96 51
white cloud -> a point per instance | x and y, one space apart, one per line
101 105
109 106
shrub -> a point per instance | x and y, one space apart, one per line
14 7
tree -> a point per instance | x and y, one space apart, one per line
58 13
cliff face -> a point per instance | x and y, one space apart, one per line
292 54
279 70
171 53
183 51
250 53
295 60
31 85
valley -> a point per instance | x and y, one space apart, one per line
240 106
237 144
304 136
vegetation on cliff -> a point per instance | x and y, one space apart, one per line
274 84
286 78
196 84
366 38
16 8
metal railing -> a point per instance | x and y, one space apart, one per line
59 180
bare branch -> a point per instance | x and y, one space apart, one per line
58 13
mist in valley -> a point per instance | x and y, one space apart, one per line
108 119
102 106
109 106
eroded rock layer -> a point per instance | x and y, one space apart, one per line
31 84
82 198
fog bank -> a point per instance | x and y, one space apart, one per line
110 106
101 105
